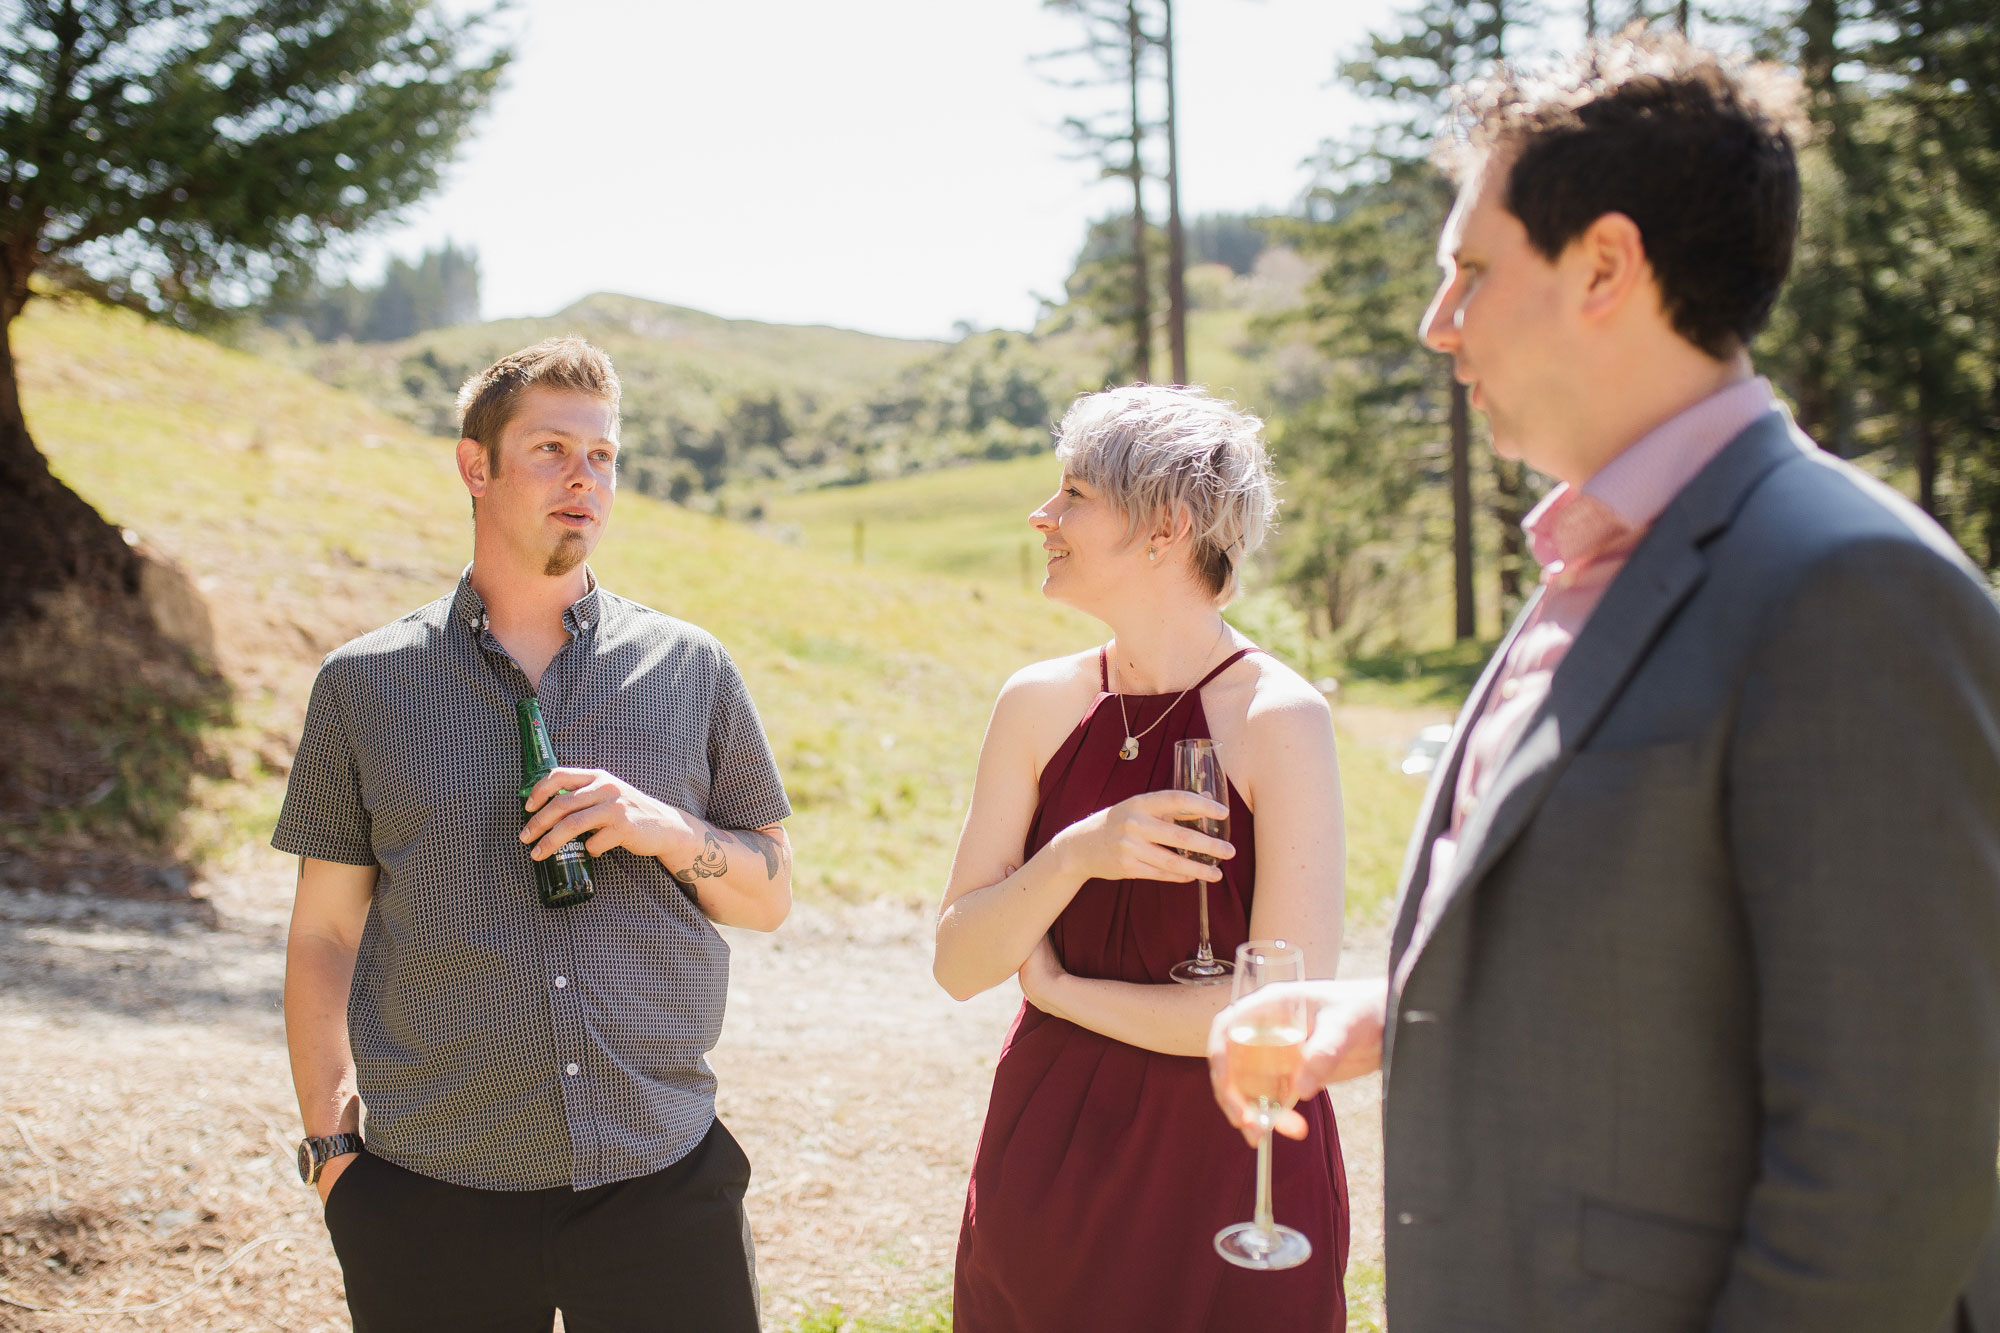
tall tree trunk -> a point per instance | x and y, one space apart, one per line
1508 511
1590 18
1176 244
1142 290
54 538
1993 489
1336 602
1818 25
1927 457
1465 622
1813 395
1681 17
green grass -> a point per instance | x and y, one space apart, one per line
1417 678
308 516
968 522
1367 1298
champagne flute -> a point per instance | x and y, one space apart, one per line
1266 1046
1199 770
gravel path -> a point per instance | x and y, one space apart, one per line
146 1115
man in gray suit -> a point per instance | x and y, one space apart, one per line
1693 1013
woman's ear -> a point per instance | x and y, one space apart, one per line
1172 529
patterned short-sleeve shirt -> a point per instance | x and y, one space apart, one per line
500 1044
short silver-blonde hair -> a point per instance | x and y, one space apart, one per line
1155 451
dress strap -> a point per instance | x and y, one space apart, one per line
1103 671
1227 663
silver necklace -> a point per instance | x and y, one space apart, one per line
1130 749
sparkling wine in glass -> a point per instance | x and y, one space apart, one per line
1266 1046
1197 769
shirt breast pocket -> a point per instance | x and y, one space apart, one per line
665 767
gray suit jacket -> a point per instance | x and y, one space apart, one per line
1702 1030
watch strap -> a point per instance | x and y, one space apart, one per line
320 1151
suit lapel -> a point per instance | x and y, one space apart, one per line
1663 571
1435 812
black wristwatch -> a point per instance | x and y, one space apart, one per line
314 1154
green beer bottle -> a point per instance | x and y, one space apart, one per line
563 879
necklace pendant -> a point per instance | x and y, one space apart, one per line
1130 749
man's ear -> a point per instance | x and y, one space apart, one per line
1611 254
473 467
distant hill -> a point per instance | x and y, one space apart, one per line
718 408
722 414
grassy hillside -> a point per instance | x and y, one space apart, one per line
307 516
970 522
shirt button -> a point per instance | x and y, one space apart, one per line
561 982
1509 688
1402 1219
572 1069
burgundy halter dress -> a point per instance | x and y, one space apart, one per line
1104 1171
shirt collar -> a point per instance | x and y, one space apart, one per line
1574 526
469 608
1644 479
582 614
1570 528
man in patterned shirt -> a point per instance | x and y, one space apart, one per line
540 1116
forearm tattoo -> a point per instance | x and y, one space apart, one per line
765 845
713 861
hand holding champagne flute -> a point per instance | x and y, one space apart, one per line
1343 1041
1266 1044
1198 769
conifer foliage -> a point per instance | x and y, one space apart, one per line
186 157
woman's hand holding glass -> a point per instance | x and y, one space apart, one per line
1138 839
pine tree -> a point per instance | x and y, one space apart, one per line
182 156
1129 45
1384 204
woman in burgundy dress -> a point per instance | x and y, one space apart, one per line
1104 1169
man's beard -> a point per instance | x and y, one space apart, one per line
569 553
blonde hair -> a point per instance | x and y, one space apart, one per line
1157 452
487 401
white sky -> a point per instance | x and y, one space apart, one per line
888 165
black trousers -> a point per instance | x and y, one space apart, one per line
665 1253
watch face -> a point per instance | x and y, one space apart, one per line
305 1162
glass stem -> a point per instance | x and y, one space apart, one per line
1204 952
1264 1220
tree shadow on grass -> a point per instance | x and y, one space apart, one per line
1418 678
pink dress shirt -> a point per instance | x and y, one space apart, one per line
1582 536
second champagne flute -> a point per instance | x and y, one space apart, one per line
1266 1047
1198 769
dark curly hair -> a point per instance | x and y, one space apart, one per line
1696 151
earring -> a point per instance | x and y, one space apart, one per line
1151 554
